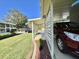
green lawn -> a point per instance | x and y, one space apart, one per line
17 47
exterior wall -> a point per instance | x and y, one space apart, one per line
5 27
9 27
48 34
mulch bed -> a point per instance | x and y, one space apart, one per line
44 52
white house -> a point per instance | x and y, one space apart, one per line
6 27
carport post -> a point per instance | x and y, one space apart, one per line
32 31
34 49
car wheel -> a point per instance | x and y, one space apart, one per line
61 45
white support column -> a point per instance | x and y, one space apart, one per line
5 27
10 27
32 31
52 18
34 45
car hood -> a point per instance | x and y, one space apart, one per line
73 30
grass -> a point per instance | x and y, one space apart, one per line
17 47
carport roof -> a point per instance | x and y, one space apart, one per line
58 5
37 21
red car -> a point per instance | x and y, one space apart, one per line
67 37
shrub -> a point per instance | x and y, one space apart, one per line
41 44
13 31
4 36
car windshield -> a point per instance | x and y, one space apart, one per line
74 25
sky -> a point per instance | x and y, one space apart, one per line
30 8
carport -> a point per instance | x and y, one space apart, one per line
54 11
60 8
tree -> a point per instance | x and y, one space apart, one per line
15 17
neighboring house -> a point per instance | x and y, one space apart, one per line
6 27
53 11
24 29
